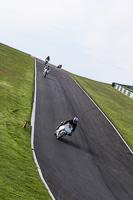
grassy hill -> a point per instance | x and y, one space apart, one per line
117 107
19 178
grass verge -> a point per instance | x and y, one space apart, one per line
117 107
19 177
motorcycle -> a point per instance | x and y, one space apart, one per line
46 62
45 72
63 130
59 66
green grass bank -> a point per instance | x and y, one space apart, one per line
117 107
19 177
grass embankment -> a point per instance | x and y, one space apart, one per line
19 178
117 107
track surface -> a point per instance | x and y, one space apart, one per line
93 163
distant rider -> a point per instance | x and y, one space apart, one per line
59 66
48 68
47 60
73 122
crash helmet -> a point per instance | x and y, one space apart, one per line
75 119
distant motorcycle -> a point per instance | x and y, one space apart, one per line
63 130
46 70
59 66
47 60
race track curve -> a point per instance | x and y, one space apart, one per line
92 164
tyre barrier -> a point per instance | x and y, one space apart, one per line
123 90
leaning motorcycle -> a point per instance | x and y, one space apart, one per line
45 62
45 72
63 130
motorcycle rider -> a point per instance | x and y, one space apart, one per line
47 60
73 122
59 66
48 68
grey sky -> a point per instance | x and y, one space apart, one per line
93 39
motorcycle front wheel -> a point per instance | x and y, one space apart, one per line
60 135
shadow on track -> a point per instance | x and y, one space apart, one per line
73 144
48 78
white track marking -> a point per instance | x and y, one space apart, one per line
33 123
32 138
103 114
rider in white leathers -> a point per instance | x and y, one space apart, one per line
48 68
73 122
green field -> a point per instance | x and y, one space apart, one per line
19 177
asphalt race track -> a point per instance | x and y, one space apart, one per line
92 164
